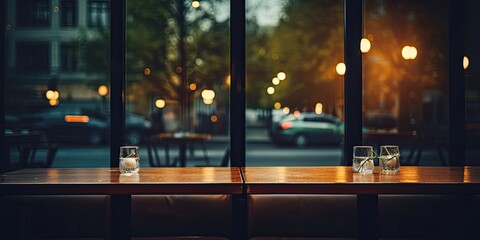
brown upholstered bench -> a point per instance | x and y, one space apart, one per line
298 216
55 217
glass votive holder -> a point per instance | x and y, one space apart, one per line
129 159
389 159
363 159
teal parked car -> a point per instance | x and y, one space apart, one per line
308 128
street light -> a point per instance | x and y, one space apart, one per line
281 76
341 69
160 103
466 62
195 4
102 90
270 90
365 45
409 52
208 96
275 81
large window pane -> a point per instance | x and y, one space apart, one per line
178 81
405 78
472 82
294 93
55 113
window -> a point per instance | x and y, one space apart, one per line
33 57
98 12
68 13
405 78
68 57
33 13
178 76
56 83
293 48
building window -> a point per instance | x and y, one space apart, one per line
33 13
98 13
68 57
33 57
68 13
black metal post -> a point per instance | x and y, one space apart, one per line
353 78
367 216
237 90
4 147
117 79
456 83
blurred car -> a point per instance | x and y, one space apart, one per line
83 125
376 120
308 128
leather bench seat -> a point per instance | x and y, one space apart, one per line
181 216
55 217
427 216
302 216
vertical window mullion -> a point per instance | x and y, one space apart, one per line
456 82
237 90
117 78
3 161
353 78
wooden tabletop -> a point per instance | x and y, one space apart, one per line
410 179
204 180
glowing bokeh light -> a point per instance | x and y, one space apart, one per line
341 68
160 103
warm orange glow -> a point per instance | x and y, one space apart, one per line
53 102
77 118
147 71
160 103
281 76
214 118
286 110
319 108
286 125
296 113
409 52
195 4
341 69
208 101
365 45
193 86
56 95
466 62
277 105
270 90
102 90
227 81
275 81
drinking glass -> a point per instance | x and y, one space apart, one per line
363 159
389 159
129 159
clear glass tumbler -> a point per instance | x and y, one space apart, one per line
389 159
129 159
363 159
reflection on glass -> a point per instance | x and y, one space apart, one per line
405 78
294 94
54 115
177 63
